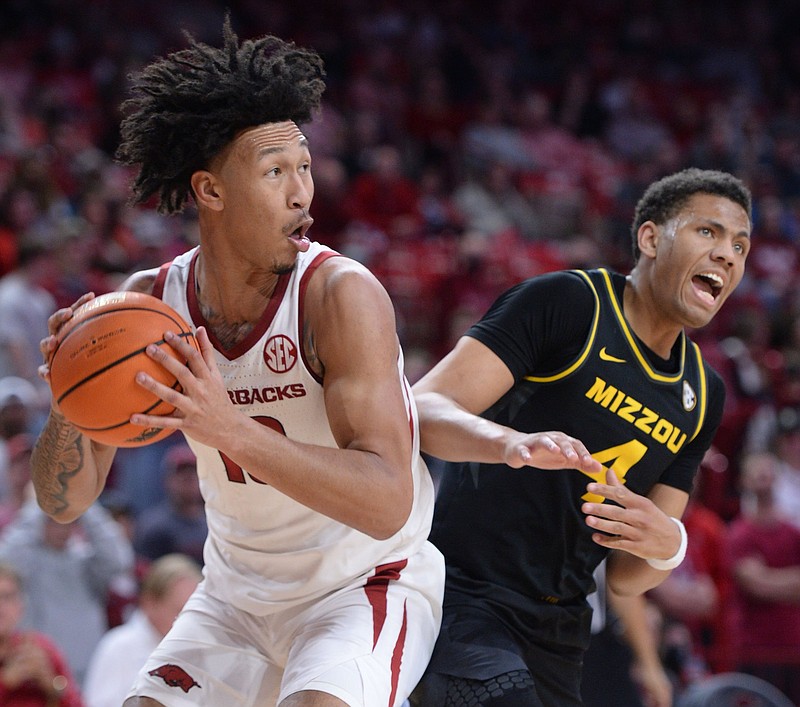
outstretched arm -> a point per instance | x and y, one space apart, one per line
462 385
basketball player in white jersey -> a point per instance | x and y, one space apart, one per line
320 587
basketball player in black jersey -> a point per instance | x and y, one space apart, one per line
564 366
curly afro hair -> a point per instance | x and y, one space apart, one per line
188 105
664 198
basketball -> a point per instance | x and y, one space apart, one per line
97 355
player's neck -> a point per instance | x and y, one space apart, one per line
233 295
643 315
231 307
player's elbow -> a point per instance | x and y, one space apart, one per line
632 583
58 512
622 588
391 517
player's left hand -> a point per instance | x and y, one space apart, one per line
203 409
636 525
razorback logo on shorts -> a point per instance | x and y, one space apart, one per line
175 676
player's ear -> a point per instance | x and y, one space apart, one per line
207 190
647 237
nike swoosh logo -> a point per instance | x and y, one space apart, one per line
608 357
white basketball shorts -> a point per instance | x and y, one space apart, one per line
367 644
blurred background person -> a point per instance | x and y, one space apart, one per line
33 672
178 523
764 552
122 652
66 570
124 588
25 305
786 445
18 489
20 412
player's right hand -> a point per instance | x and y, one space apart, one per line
549 450
54 325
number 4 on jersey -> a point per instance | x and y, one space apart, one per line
620 458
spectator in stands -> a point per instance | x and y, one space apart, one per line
764 553
124 588
33 672
491 203
20 412
66 569
124 650
25 305
786 445
384 197
18 477
178 523
20 406
697 594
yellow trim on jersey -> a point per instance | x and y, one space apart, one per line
589 340
632 341
703 392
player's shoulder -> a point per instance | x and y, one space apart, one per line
560 286
339 275
141 281
147 281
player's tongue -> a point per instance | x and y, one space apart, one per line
704 288
300 241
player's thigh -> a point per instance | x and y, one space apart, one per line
209 658
368 644
474 643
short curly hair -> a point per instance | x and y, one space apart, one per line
187 106
664 198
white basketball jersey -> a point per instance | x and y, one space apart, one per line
264 550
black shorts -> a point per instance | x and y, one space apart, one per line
476 644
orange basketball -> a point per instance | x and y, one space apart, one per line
99 352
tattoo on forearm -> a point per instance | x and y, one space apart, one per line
59 456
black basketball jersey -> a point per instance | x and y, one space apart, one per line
517 537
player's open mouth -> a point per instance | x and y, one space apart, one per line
298 236
708 285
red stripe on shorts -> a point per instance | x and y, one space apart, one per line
397 655
376 588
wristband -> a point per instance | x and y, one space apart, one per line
677 558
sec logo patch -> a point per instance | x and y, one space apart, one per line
280 354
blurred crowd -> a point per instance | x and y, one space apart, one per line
461 147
